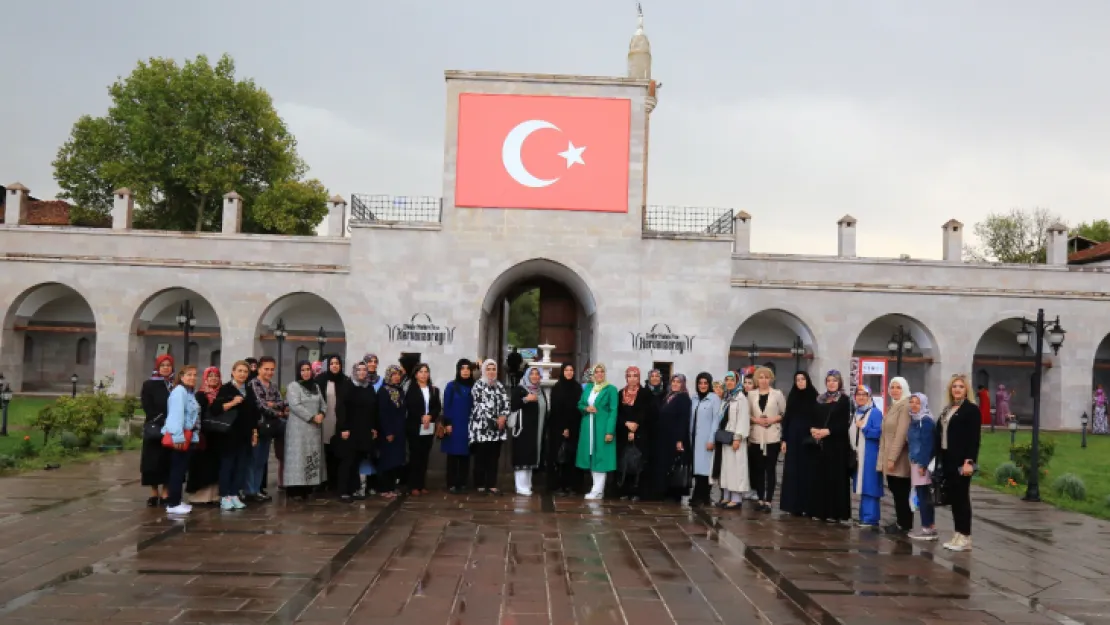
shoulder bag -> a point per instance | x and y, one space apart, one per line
679 476
723 436
219 424
152 430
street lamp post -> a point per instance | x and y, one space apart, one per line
279 336
798 349
994 411
899 344
753 353
1037 331
1012 424
73 380
5 399
321 340
186 320
1083 422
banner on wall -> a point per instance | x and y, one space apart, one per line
872 372
421 329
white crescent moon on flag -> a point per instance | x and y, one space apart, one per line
510 153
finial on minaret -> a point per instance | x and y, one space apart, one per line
639 49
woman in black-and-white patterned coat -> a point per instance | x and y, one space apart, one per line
487 427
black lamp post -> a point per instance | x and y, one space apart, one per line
1083 422
1036 331
798 349
279 336
73 380
899 344
186 320
321 340
5 399
1012 424
100 387
753 352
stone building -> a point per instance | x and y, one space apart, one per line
434 276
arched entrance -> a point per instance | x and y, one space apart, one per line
1000 360
1101 368
304 315
566 312
875 355
775 338
49 336
157 329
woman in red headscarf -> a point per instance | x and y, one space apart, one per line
154 464
203 484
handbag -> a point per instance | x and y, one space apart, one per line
219 424
564 455
516 423
938 486
167 440
271 427
679 475
632 463
152 430
853 459
723 437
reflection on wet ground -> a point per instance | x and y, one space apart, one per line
77 545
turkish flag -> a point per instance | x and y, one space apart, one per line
543 152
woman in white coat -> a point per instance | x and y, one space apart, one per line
730 469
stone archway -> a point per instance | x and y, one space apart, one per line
773 333
874 364
304 315
998 354
567 311
49 335
155 330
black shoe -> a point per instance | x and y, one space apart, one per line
164 502
152 502
893 529
262 491
766 508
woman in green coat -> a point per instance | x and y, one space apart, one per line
597 452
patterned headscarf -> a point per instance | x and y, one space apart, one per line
526 381
393 389
209 390
730 395
373 376
924 412
828 396
671 394
658 389
864 408
598 387
354 375
317 368
628 396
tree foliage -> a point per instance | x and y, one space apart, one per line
1097 230
180 137
1018 236
524 319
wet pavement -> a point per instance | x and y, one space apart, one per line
78 545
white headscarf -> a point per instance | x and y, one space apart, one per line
905 387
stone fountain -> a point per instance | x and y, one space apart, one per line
545 366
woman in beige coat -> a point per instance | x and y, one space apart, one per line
894 454
766 406
731 470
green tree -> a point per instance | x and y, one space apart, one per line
1097 230
180 137
524 319
1016 237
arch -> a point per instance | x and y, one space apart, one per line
214 358
155 323
1100 368
998 353
41 328
773 330
303 314
921 366
540 267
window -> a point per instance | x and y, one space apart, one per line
83 348
28 349
664 369
193 356
214 359
302 354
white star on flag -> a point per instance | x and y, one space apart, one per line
573 154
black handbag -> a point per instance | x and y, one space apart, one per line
853 458
152 430
679 476
632 463
564 456
938 488
219 424
723 437
271 427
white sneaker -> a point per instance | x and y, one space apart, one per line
959 543
239 505
593 495
225 504
524 493
183 508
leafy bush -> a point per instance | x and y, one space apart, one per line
69 441
83 415
1108 501
1023 456
25 449
7 462
1071 486
111 439
1008 471
128 405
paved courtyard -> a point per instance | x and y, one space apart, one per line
77 545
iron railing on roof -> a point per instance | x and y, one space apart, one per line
688 220
396 208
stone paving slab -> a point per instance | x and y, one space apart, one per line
77 545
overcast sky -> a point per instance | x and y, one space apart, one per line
901 114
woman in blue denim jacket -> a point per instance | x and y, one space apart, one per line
921 453
182 415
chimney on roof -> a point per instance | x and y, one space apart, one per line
1056 245
16 203
742 231
953 238
122 207
846 237
337 213
233 213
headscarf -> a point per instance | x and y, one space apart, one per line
658 389
317 368
905 388
463 362
328 376
671 394
309 384
924 412
252 373
373 376
628 395
808 394
158 365
871 401
210 392
394 390
730 395
354 375
526 381
1100 397
598 387
408 363
482 370
830 396
704 375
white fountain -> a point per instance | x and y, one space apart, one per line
545 366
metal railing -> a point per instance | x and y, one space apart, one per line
396 208
688 220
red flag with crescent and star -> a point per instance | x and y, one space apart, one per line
542 152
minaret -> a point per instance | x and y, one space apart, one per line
639 67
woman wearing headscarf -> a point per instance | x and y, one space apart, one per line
333 385
391 431
488 427
1002 405
304 467
596 451
830 485
1100 424
957 440
203 484
565 423
704 416
635 412
154 464
531 400
864 436
797 466
657 386
894 454
730 461
424 406
921 453
354 428
670 439
457 404
371 362
767 406
408 364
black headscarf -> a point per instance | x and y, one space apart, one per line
657 390
309 384
697 384
327 376
252 368
409 363
570 389
809 394
463 362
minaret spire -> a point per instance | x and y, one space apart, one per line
639 49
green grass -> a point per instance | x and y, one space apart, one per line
1092 465
21 414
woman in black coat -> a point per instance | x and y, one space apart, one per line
154 464
422 407
563 424
797 469
635 412
956 446
234 446
354 428
830 487
204 464
670 439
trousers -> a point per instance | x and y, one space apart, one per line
486 456
764 470
900 491
420 448
235 462
457 469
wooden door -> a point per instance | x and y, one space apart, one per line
559 321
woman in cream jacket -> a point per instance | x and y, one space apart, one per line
766 405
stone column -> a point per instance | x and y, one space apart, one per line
232 213
1056 245
15 204
113 355
846 237
237 342
337 213
742 231
122 207
953 238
